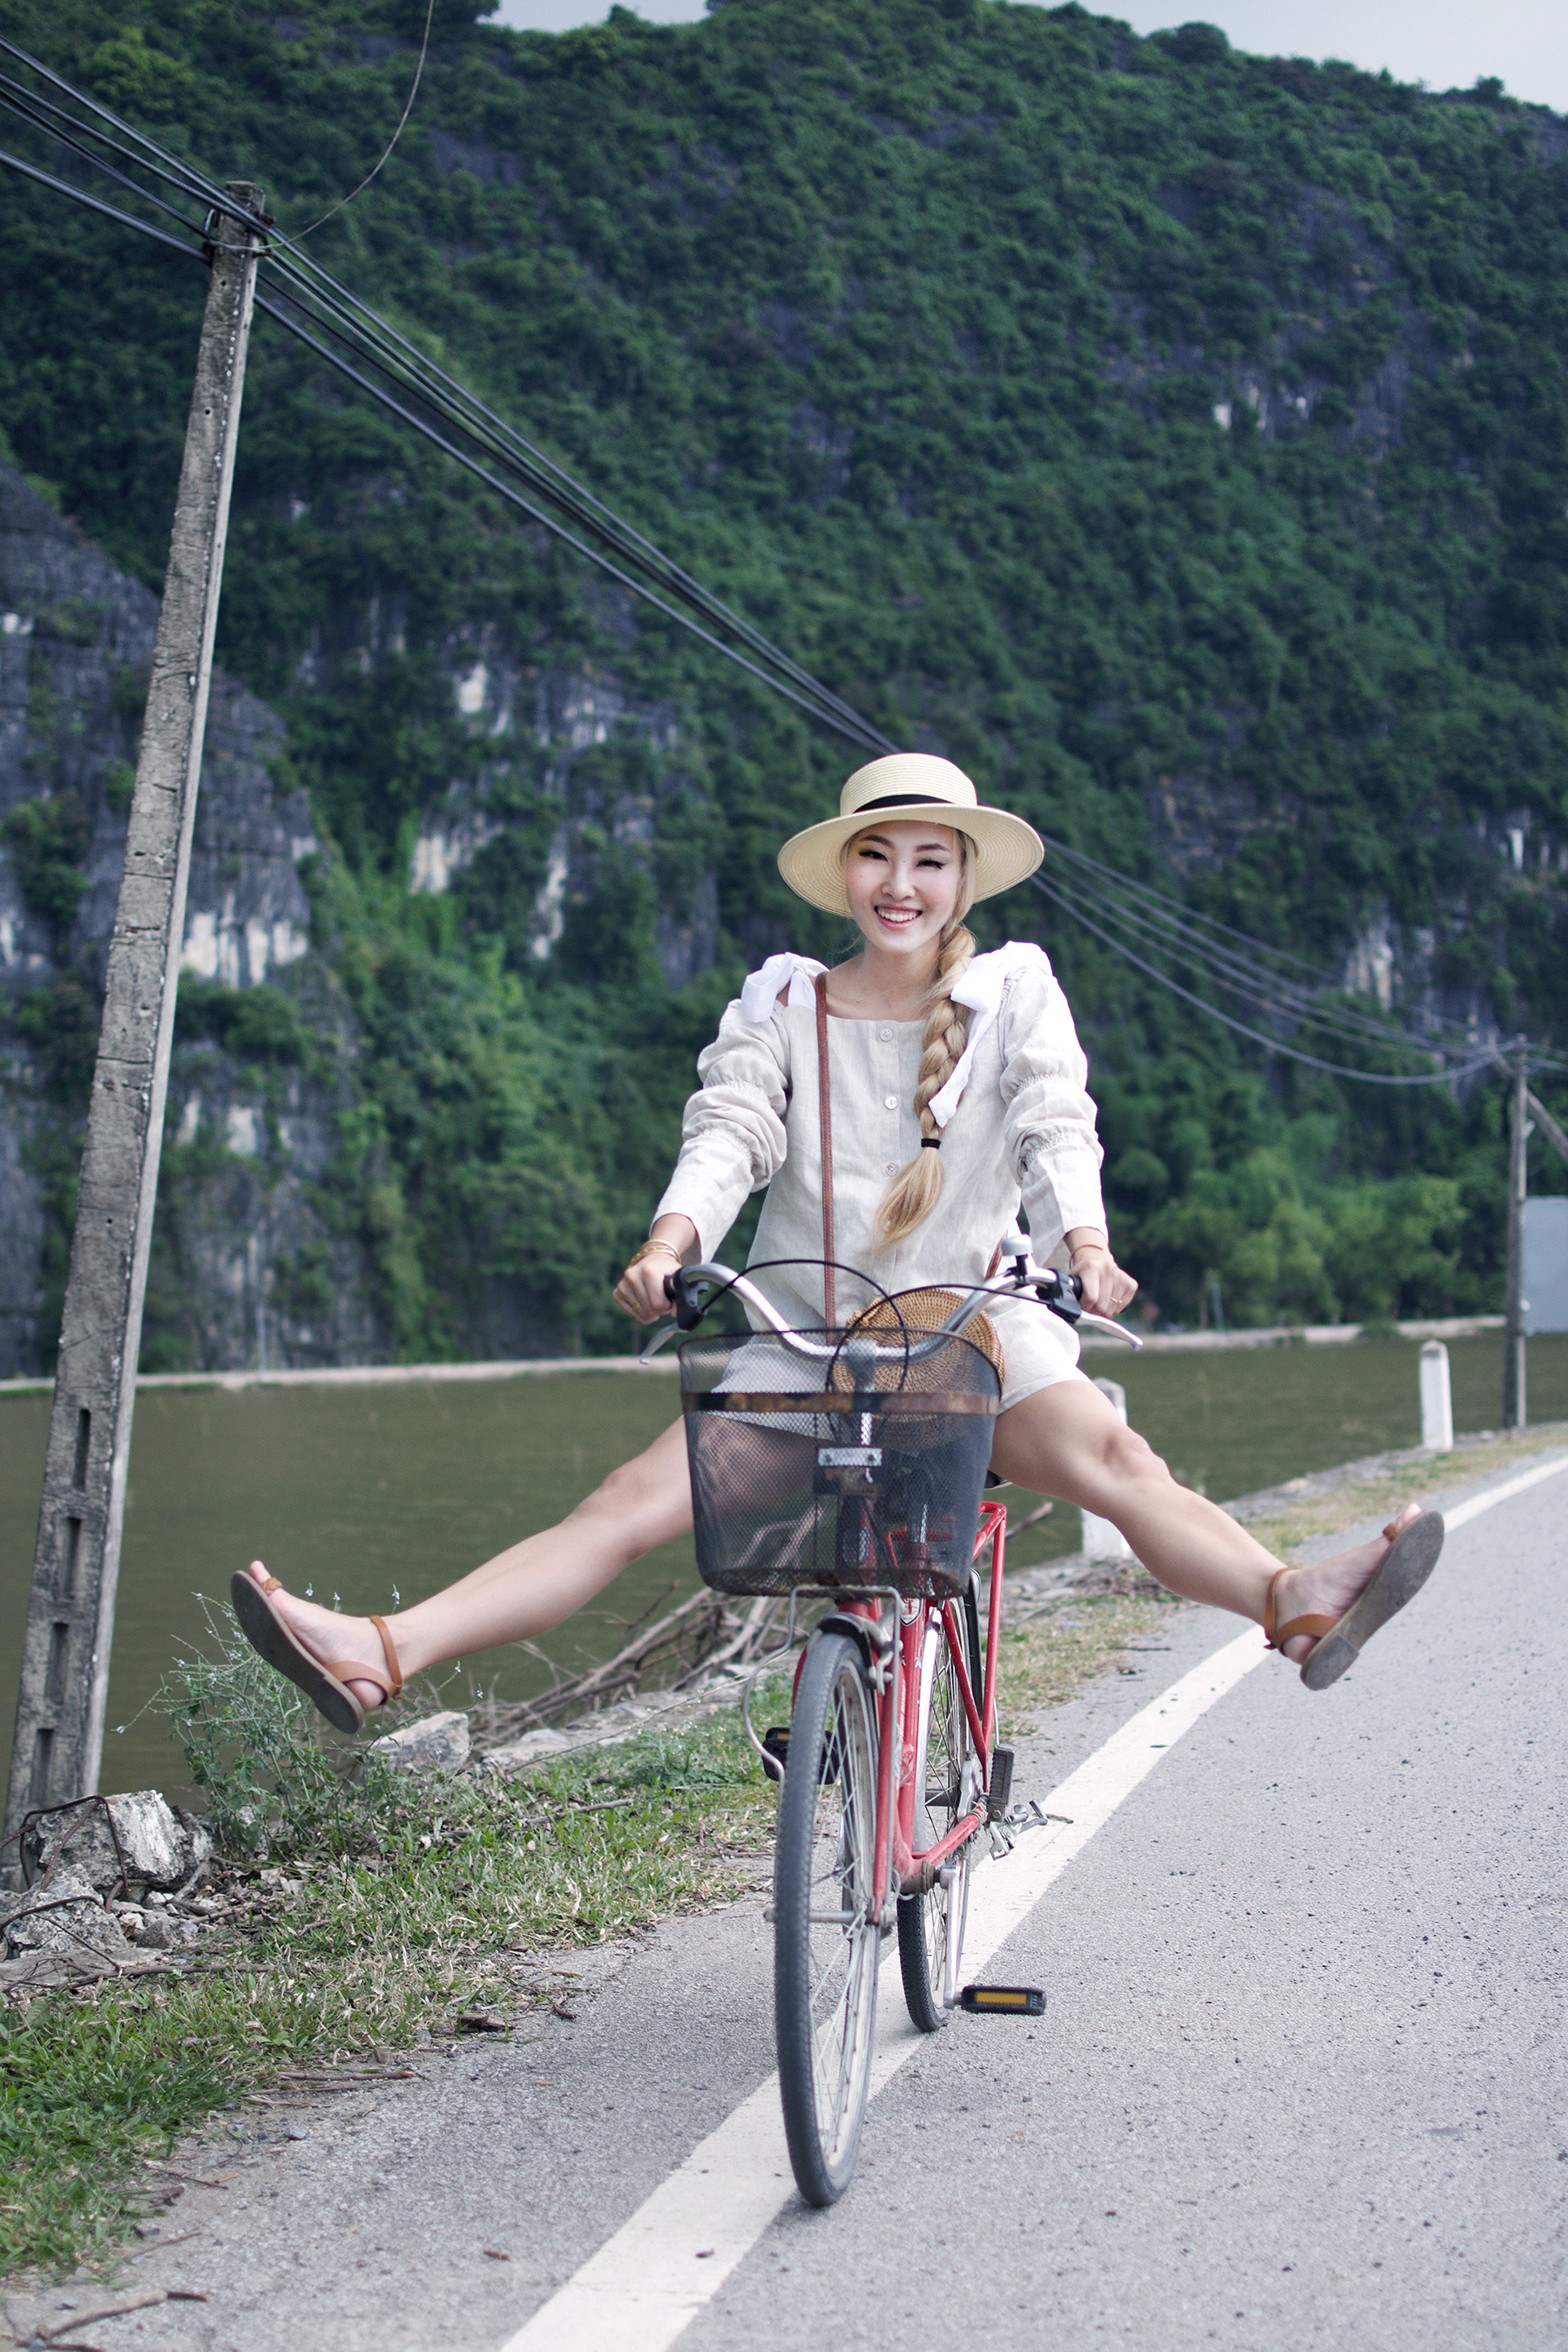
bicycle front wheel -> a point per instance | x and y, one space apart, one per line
825 1936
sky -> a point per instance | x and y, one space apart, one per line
1448 44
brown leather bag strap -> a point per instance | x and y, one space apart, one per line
824 1124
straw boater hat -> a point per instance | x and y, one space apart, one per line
904 786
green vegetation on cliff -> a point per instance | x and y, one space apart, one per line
1175 438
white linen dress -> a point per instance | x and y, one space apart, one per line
1023 1131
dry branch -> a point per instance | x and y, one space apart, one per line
692 1638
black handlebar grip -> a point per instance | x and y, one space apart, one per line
683 1289
1062 1292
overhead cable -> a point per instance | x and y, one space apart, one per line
1206 944
1162 926
347 331
333 210
1259 1036
515 498
94 204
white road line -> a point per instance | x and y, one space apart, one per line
647 2284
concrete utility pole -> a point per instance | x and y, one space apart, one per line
70 1622
1513 1397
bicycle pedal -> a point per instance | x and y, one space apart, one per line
999 1793
1003 2000
775 1751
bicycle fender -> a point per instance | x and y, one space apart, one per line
874 1641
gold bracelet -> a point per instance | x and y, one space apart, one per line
638 1256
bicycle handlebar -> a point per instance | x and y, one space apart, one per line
1059 1293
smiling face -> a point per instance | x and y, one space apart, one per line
903 883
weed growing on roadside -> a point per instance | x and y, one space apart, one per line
253 1744
408 1898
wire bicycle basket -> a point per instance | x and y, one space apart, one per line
864 1470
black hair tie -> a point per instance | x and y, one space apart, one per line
930 1143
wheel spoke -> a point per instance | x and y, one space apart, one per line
944 1748
826 1938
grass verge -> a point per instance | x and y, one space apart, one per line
370 1920
358 1919
1424 1480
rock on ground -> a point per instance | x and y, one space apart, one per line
66 1917
160 1847
437 1743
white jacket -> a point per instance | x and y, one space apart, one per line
1019 1126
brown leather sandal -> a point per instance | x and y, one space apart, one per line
326 1685
1338 1641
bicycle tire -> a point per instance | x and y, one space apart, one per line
943 1738
825 1971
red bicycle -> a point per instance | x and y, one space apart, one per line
851 1465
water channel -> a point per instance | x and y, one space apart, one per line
368 1492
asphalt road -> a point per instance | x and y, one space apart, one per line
1301 2081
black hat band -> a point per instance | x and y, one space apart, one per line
903 800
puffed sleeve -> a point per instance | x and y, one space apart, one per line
1047 1114
732 1128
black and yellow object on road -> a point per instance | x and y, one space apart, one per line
1003 2000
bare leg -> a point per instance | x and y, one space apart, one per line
528 1588
1068 1440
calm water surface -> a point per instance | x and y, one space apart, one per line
362 1491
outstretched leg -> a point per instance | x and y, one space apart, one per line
524 1591
1068 1441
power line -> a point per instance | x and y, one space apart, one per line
334 210
308 297
1204 943
1481 1061
1164 927
94 204
390 354
515 498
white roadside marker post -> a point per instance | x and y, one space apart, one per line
1513 1343
1437 1399
1101 1539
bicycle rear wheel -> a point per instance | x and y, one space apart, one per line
826 1938
943 1746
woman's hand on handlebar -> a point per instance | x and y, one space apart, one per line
1104 1287
640 1292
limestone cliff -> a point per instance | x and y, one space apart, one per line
250 1132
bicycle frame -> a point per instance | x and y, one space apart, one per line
898 1868
896 1674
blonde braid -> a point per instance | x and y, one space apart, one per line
917 1188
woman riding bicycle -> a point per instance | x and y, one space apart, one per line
956 1090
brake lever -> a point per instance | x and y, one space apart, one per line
1111 1330
1064 1296
651 1347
